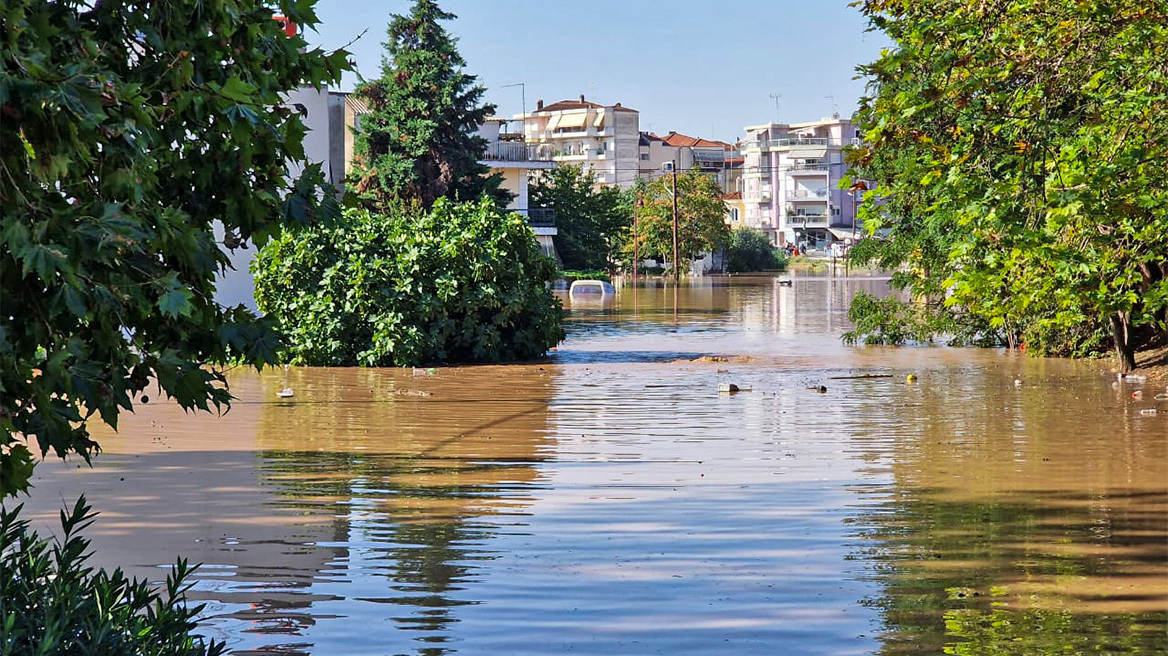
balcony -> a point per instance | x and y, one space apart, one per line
807 194
807 142
808 220
540 218
803 169
515 151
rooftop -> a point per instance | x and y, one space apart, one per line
568 105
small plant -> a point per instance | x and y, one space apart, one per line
53 604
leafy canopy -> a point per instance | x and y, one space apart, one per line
1019 149
701 217
461 283
419 141
589 219
126 136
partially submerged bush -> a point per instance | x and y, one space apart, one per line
53 604
461 283
749 249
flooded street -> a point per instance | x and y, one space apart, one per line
611 501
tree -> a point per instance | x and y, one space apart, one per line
461 283
749 249
127 134
1019 147
419 141
701 217
588 219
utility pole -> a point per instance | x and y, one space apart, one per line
636 240
676 257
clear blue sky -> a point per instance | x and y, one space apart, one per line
701 67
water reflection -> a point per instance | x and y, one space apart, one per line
610 500
1025 520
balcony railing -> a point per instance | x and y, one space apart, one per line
819 142
807 168
513 151
808 220
540 218
809 194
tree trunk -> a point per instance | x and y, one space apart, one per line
1123 348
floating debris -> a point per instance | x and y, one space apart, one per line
1148 412
818 388
911 378
285 393
860 377
411 392
731 388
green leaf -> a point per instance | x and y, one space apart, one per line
176 302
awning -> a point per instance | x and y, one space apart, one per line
599 119
845 233
551 124
576 120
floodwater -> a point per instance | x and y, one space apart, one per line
611 501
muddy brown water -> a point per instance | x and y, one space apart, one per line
611 501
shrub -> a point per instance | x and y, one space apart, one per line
460 283
591 274
749 249
53 604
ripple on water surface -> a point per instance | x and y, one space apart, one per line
611 501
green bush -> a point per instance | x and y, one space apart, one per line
592 274
53 604
749 249
460 283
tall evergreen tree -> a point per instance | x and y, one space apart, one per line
419 141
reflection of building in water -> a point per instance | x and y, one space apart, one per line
410 462
1013 521
391 493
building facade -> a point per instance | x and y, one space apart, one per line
715 158
602 139
509 155
790 181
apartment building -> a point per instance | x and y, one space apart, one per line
790 181
603 139
510 155
715 158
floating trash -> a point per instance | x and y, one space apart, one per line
731 388
285 393
1148 412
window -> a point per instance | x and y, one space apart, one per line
644 157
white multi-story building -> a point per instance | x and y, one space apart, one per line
509 155
790 181
602 139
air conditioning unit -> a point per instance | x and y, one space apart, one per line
667 166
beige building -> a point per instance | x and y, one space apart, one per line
599 138
687 153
